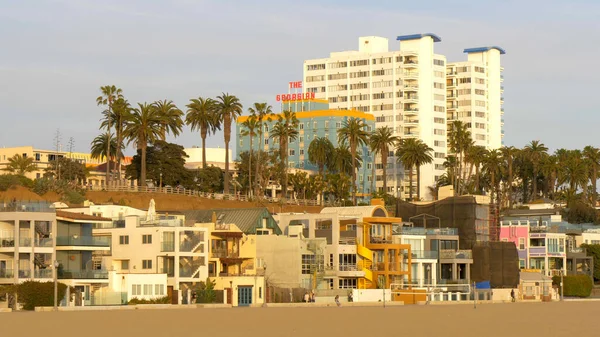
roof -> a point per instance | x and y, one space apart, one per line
359 211
484 49
246 219
80 216
322 113
418 36
532 276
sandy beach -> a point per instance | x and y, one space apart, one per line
514 319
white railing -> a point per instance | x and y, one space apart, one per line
216 196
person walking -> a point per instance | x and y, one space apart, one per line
306 297
512 295
337 300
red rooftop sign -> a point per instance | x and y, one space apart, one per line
298 96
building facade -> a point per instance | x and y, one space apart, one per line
316 119
407 90
474 95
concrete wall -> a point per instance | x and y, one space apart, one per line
119 282
371 295
282 256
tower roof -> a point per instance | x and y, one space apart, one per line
484 49
418 36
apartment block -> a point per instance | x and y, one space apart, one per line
474 95
404 89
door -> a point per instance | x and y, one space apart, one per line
229 296
244 296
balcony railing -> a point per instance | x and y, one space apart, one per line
24 242
46 242
399 230
456 254
380 240
348 267
537 250
7 273
43 273
24 273
224 253
93 241
167 246
422 254
7 242
347 241
82 274
20 206
162 223
169 271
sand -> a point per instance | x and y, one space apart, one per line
488 320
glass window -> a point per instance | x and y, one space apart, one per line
124 239
146 238
124 264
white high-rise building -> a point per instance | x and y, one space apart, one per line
475 95
404 89
407 91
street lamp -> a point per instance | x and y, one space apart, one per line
160 182
55 285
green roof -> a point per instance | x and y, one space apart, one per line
246 219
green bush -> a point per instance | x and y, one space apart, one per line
594 251
42 186
205 292
161 300
9 181
575 285
73 197
33 294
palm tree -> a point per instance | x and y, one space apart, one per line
109 94
98 147
575 173
250 126
492 164
202 115
228 108
143 126
320 151
172 118
592 156
341 160
285 130
508 155
354 133
263 113
536 152
120 112
20 165
474 156
412 152
380 142
459 139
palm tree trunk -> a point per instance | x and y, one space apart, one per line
410 177
510 180
418 182
477 179
163 132
119 141
227 136
257 175
284 161
203 134
594 178
353 151
373 176
384 163
250 168
535 175
108 148
143 169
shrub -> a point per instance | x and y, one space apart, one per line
33 294
575 285
8 181
73 197
161 300
42 186
205 292
594 251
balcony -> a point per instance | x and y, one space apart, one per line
167 246
224 253
540 250
82 241
450 254
162 223
411 74
169 271
348 267
43 273
46 242
411 87
24 242
377 240
24 273
7 242
64 274
411 122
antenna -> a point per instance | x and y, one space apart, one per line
71 146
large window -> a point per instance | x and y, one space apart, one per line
312 263
522 244
124 239
449 244
147 238
146 264
347 283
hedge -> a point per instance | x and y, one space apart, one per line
36 294
575 285
160 300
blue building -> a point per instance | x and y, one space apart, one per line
315 120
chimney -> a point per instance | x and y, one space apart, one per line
214 217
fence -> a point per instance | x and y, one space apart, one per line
216 196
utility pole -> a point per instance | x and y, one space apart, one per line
474 297
57 139
562 286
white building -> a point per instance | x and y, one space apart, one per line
474 92
214 157
406 90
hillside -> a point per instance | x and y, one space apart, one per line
164 202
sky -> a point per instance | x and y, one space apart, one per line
55 55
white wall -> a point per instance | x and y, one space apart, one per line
371 295
120 282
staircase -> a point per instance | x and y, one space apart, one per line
190 268
42 229
365 265
191 242
40 261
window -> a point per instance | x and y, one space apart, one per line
438 85
124 239
464 80
439 132
315 66
159 289
147 289
359 63
438 62
146 264
124 264
449 244
439 74
439 143
301 125
347 283
315 125
136 289
522 245
301 152
522 264
439 97
292 152
266 141
310 262
147 239
479 92
480 114
440 155
479 69
301 140
438 108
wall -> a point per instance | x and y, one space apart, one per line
256 282
119 282
371 295
282 256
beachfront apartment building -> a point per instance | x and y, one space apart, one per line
474 95
410 90
143 243
34 236
316 120
539 246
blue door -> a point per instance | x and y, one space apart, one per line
244 296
